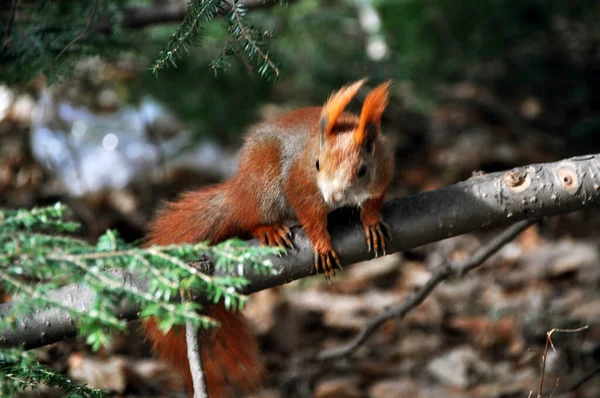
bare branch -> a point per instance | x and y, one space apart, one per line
192 339
438 275
589 376
545 355
491 248
555 387
13 12
85 30
488 201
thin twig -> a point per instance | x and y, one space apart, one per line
439 274
555 387
85 30
192 339
13 13
545 355
485 252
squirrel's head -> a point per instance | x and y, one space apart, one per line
346 166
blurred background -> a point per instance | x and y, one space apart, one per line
478 86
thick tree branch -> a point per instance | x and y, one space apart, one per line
488 201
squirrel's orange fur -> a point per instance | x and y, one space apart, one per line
336 104
373 108
299 167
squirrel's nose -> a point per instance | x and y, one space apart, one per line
333 192
337 196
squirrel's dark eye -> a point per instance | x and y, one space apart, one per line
317 165
362 170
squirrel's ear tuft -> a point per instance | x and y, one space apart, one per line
335 105
370 116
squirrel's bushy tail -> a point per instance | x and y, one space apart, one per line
197 216
229 352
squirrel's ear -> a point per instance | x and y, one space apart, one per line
335 105
370 116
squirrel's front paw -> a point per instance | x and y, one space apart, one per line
326 260
376 234
274 235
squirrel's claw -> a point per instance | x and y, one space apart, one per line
376 235
286 234
326 261
274 235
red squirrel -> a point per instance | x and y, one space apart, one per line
299 167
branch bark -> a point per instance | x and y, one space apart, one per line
192 340
488 201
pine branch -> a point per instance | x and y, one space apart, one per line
49 37
19 371
250 40
253 42
32 264
487 201
189 33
